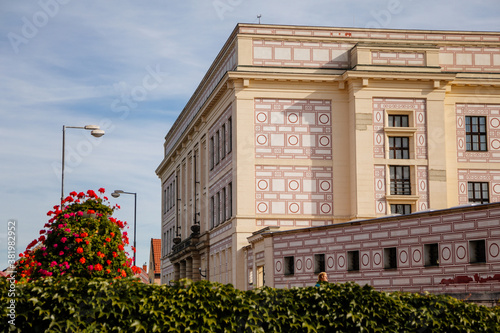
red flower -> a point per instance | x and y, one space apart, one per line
98 267
82 260
120 247
101 190
73 194
79 250
112 234
78 240
108 239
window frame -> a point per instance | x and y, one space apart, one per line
478 134
431 255
476 246
353 261
390 258
394 150
289 265
480 199
400 186
319 263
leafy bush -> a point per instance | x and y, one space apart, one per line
81 239
107 305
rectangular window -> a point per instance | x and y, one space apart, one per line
398 120
477 251
216 147
217 211
390 258
229 135
224 198
319 263
475 133
478 192
402 209
399 147
353 260
400 180
223 144
212 212
211 152
230 200
289 266
165 200
431 254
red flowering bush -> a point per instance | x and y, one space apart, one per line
81 239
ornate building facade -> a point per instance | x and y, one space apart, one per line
298 127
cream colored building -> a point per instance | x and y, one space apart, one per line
297 127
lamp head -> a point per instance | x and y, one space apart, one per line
91 127
116 193
97 133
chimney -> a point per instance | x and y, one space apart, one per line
145 268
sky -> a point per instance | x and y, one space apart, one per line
130 67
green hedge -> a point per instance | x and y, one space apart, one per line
98 305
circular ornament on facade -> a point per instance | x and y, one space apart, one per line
421 140
325 185
262 207
423 206
292 117
461 252
309 264
422 185
495 144
460 122
341 261
278 266
377 259
462 188
461 143
380 184
261 117
293 140
380 207
294 207
293 185
378 116
494 250
324 119
403 256
299 264
330 262
326 208
262 184
495 122
420 117
324 141
417 256
446 253
496 188
378 139
261 139
365 259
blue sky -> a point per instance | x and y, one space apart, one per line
131 66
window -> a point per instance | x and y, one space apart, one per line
390 258
431 254
223 204
400 180
217 212
353 260
216 147
478 192
319 263
477 251
212 212
398 120
475 133
402 209
211 152
289 266
223 144
230 200
399 147
229 135
165 206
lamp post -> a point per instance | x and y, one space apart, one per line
116 194
95 131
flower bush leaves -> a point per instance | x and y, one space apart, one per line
81 239
126 305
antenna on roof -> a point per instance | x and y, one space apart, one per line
259 16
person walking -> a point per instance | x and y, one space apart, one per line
322 277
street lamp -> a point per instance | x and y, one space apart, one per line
116 194
95 131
